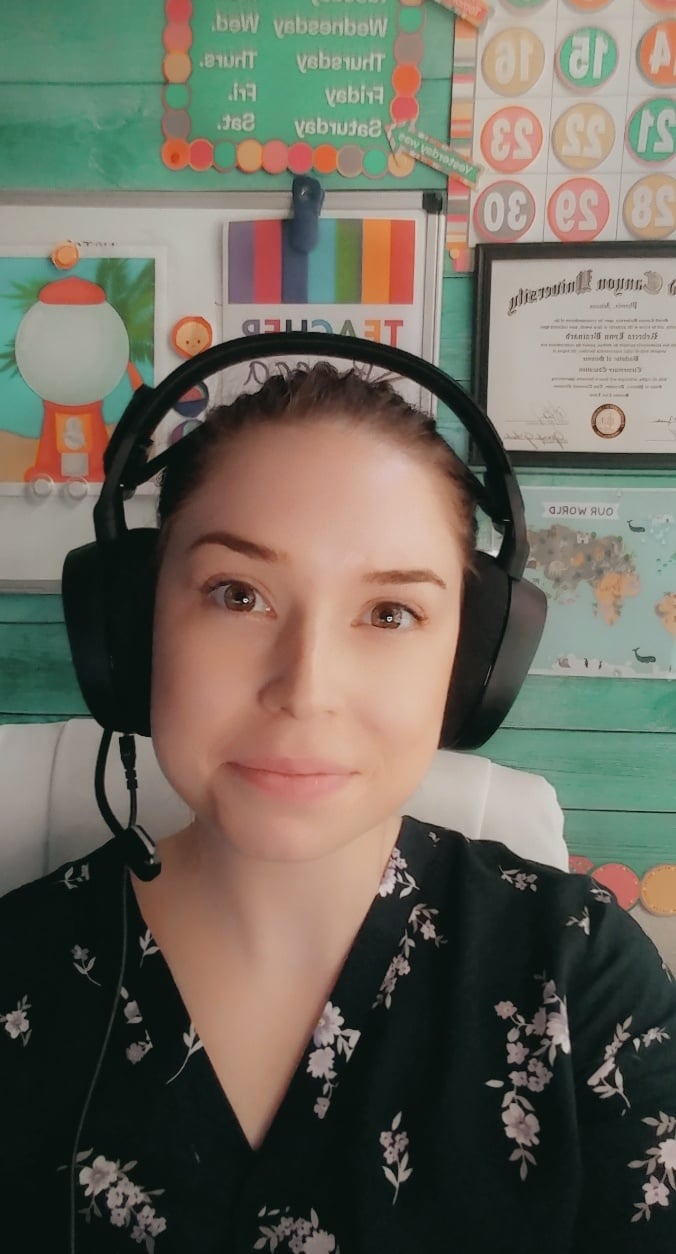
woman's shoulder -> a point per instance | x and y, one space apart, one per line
53 915
59 887
576 924
490 867
59 940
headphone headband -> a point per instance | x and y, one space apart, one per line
108 586
500 495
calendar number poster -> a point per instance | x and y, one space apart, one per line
570 108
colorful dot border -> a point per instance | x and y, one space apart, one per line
628 887
181 150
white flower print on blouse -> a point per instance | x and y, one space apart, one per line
148 945
71 880
395 1149
192 1043
132 1015
583 922
660 1166
16 1022
608 1081
83 963
298 1236
530 1047
601 894
520 879
331 1039
421 921
138 1049
396 874
113 1194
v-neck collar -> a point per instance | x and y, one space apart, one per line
349 1004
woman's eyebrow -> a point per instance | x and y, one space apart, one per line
404 576
239 545
250 548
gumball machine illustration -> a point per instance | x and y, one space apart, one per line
72 349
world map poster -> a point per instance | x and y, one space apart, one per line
606 559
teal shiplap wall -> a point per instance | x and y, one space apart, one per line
80 109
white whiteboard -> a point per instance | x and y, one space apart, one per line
186 236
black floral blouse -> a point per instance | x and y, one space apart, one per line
494 1071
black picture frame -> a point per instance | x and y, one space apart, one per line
530 256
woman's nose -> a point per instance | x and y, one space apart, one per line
303 669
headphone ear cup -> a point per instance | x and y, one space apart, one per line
501 625
108 593
485 606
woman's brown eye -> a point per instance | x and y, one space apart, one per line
391 614
235 596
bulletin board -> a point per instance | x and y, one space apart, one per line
216 95
293 85
75 343
569 107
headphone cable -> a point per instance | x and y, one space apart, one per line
139 849
99 1061
140 856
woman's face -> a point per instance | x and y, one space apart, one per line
306 622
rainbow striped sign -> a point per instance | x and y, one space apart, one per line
356 261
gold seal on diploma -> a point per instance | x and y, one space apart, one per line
608 421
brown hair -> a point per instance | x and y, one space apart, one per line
314 394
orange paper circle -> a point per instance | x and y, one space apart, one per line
658 890
66 255
191 335
177 67
250 155
175 153
406 79
400 164
325 158
657 54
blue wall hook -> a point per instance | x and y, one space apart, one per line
307 195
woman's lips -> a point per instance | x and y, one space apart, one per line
293 778
281 764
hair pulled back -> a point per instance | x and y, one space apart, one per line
312 394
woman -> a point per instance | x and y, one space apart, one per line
336 1029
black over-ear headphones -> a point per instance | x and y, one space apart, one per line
108 585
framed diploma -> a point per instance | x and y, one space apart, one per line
575 352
